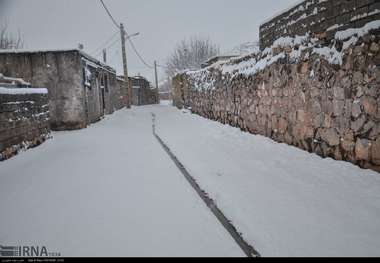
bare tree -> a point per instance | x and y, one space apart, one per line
190 54
8 41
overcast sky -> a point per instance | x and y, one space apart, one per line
56 24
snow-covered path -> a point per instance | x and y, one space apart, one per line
285 201
109 190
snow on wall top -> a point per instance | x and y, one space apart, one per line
81 52
278 13
22 91
253 64
320 17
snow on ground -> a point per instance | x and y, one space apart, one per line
109 190
286 202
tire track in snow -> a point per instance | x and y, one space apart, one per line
249 250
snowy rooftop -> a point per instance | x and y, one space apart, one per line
84 54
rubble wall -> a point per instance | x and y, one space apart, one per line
321 17
328 109
24 122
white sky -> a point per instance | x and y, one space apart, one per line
57 24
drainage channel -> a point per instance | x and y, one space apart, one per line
249 250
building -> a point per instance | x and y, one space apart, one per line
81 89
319 18
142 92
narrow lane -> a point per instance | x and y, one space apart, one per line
109 190
285 201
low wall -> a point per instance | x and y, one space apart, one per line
321 99
145 96
323 17
24 119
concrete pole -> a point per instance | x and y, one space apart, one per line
127 85
105 56
155 74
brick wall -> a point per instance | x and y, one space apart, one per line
322 17
24 122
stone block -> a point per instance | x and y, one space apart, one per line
362 149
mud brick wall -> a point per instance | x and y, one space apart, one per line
331 110
24 122
321 17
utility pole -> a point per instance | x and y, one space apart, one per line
125 65
105 56
155 74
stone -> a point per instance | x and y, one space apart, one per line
318 120
316 107
338 107
362 149
359 92
315 92
282 125
369 105
339 93
304 68
331 137
375 132
374 47
357 77
358 124
367 127
301 115
356 109
327 121
348 145
348 108
376 152
337 154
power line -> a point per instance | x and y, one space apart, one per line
129 39
108 47
106 42
110 15
138 54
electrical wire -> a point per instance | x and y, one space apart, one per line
139 55
105 43
129 39
108 47
110 15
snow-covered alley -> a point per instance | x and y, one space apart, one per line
111 190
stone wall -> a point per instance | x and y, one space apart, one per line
165 95
321 107
24 122
149 96
320 17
